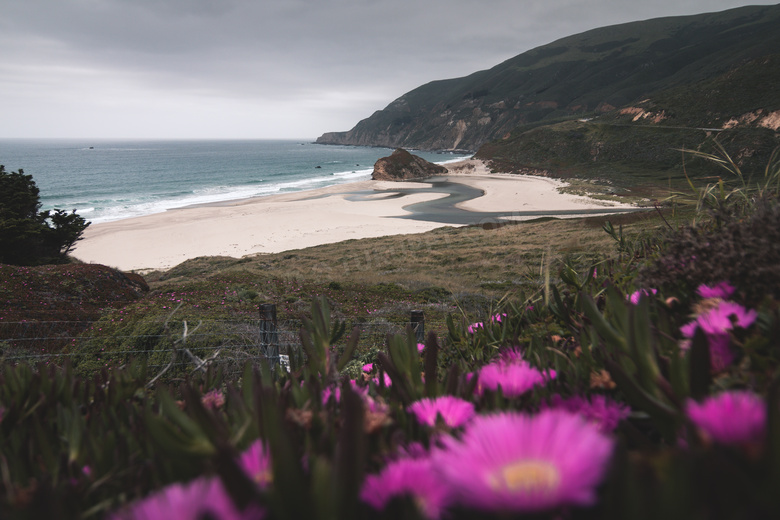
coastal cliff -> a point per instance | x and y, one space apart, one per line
609 74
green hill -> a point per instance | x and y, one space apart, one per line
594 74
740 108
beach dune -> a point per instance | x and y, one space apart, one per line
297 220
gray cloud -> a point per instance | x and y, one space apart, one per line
276 68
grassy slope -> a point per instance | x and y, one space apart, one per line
438 271
447 265
643 151
572 77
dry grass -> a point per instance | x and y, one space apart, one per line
470 259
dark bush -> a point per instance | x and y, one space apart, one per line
743 250
29 236
434 294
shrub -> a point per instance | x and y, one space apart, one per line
29 236
434 294
742 250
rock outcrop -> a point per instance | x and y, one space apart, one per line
403 166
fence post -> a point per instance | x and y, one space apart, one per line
269 336
418 325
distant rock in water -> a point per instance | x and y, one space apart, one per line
403 166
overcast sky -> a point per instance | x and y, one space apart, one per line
262 68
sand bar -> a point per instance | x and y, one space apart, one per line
297 220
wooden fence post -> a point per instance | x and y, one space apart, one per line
418 325
269 336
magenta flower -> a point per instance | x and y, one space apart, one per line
213 400
376 406
256 462
329 391
496 318
734 417
722 290
201 498
335 391
413 477
454 412
721 353
474 326
513 462
725 317
413 450
368 367
603 412
388 381
716 324
511 355
514 379
635 296
420 347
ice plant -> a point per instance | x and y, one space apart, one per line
511 355
387 380
496 318
716 324
514 379
256 462
722 290
205 497
726 316
513 462
329 391
641 293
414 477
453 411
733 417
335 391
605 413
213 399
475 326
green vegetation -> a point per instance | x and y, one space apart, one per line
700 64
641 144
638 158
617 368
29 236
683 406
613 105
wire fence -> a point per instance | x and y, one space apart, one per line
179 347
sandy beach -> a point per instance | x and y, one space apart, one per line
348 211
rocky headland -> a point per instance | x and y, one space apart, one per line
404 166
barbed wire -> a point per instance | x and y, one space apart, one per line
246 340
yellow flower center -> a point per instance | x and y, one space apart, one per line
421 503
264 477
526 476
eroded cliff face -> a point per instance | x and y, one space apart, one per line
403 166
463 127
760 117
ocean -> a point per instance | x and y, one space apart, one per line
106 180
